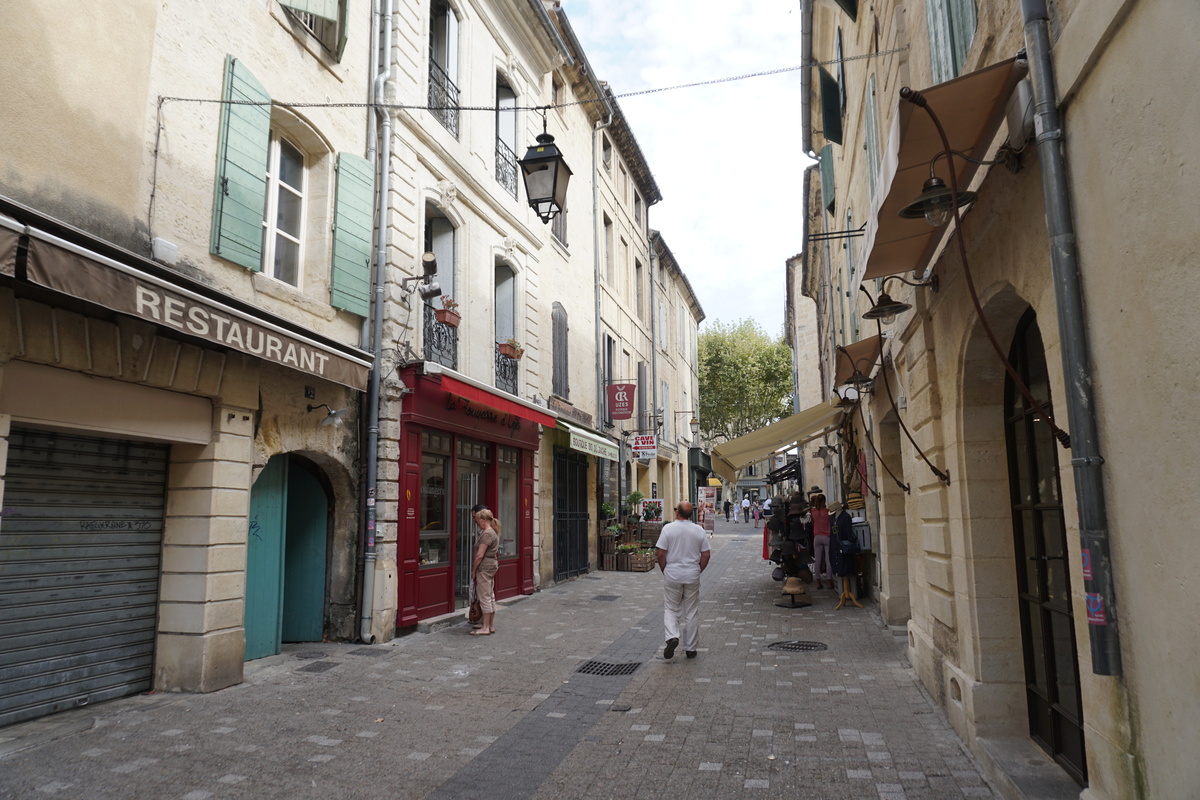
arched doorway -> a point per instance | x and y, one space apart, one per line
1040 548
285 558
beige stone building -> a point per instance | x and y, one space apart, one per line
1043 588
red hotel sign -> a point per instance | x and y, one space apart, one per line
620 400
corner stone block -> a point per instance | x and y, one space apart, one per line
199 663
208 503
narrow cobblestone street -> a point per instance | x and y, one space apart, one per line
445 715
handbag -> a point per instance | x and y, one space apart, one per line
474 611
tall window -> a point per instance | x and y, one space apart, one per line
951 31
639 279
558 227
506 282
506 136
283 217
637 209
608 250
559 328
871 123
667 412
606 152
439 240
443 64
851 301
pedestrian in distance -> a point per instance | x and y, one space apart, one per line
746 508
683 553
483 569
821 532
756 511
728 506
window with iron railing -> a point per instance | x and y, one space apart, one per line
441 340
506 167
443 98
506 372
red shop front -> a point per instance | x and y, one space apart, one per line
462 443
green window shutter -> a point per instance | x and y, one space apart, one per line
831 107
941 54
325 9
350 274
343 26
828 191
850 7
871 122
241 191
962 31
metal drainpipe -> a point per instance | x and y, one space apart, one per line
806 78
651 261
596 219
383 50
1072 330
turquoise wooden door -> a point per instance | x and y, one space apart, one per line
264 560
304 556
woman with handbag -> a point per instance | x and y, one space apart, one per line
484 567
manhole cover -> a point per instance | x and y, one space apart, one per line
319 666
368 651
798 647
310 655
604 668
607 598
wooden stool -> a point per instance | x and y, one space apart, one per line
847 595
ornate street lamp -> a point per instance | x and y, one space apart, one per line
546 175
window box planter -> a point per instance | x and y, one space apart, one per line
510 350
447 317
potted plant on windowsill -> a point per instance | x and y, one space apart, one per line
447 314
511 348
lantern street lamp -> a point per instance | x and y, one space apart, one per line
546 175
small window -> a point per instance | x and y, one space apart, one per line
559 331
606 152
283 218
556 90
324 20
558 227
608 250
637 209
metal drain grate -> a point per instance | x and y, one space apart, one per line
311 654
368 651
319 666
604 668
798 646
607 598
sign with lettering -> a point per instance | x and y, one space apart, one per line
479 413
644 445
129 291
565 409
620 400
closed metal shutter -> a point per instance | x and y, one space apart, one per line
80 545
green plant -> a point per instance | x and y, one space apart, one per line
607 510
449 303
632 500
650 514
613 529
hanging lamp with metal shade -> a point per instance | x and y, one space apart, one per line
546 176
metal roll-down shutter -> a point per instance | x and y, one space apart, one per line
80 546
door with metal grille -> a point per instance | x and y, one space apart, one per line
1043 581
81 543
570 515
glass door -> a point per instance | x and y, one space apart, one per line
472 467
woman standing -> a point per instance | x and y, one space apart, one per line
821 530
484 568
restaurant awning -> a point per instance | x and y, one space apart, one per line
482 394
593 444
970 108
864 353
731 456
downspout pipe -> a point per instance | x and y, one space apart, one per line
383 50
601 394
806 57
1086 461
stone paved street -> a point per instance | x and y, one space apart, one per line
446 715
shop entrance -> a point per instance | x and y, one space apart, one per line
470 492
1043 582
570 515
285 558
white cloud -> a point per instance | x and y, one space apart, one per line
726 156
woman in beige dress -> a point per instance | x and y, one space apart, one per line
484 569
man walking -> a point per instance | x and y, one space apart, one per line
683 553
746 508
728 505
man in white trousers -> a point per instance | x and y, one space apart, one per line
683 553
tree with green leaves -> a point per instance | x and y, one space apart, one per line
745 380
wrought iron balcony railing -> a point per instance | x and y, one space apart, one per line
506 372
506 167
443 97
441 340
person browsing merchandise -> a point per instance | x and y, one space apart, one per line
683 553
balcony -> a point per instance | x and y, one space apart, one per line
441 341
443 98
506 167
506 372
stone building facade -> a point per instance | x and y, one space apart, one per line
1030 577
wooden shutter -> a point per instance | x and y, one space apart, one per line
871 122
828 191
831 108
962 31
941 54
350 271
241 187
850 7
325 9
559 330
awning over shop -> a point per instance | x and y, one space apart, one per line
593 444
731 456
9 237
864 353
480 393
970 108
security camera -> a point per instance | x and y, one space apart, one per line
429 264
430 290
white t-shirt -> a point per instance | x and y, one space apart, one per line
745 502
684 541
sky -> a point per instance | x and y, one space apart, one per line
727 156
